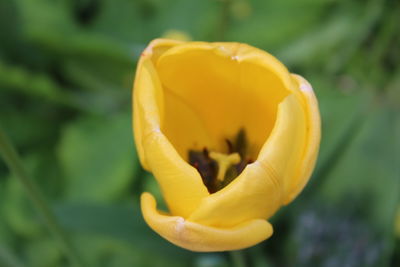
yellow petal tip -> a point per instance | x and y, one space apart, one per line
197 237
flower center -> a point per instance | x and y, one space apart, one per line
224 161
219 169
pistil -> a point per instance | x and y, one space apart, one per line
219 169
224 161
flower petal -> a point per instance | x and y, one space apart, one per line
313 122
197 237
260 188
228 86
180 183
150 80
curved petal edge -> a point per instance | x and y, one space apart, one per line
313 138
196 237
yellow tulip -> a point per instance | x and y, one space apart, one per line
229 134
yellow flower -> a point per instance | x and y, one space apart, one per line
230 136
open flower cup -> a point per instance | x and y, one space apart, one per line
229 134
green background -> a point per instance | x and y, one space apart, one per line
66 70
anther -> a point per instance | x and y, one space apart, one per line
230 146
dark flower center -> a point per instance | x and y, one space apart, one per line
217 169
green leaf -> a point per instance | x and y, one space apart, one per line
98 157
8 258
101 250
9 27
317 44
342 114
128 27
273 24
350 218
369 170
44 252
18 211
121 224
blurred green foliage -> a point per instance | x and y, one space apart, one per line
66 70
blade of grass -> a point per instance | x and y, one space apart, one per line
14 163
358 35
40 85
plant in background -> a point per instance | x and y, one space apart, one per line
230 136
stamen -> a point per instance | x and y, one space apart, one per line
230 146
224 161
217 170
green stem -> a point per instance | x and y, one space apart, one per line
14 163
238 258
